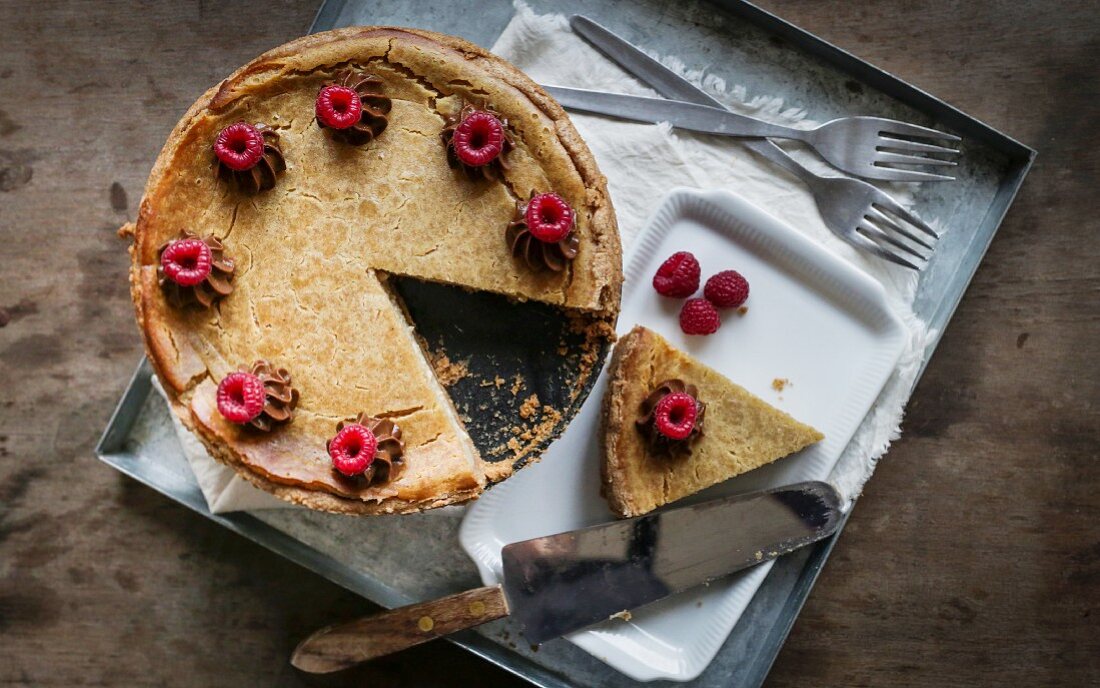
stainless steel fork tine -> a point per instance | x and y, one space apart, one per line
864 244
874 233
915 146
900 159
890 223
896 128
898 209
892 174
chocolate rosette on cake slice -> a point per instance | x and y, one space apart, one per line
249 157
353 108
542 233
191 275
478 141
657 438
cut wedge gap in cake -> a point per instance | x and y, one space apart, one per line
523 367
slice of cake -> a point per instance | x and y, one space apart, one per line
673 426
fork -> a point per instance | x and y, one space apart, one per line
868 147
857 212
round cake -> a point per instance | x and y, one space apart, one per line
288 205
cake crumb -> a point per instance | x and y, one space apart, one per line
530 407
448 372
498 381
517 384
742 310
625 615
758 555
780 383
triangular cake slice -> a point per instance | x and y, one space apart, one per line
739 431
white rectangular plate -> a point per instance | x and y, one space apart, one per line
812 319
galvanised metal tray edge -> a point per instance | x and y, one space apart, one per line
812 562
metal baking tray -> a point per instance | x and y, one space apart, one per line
744 45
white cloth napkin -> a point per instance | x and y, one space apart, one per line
642 162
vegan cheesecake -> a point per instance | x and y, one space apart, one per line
278 215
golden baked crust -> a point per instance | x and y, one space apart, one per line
307 250
741 432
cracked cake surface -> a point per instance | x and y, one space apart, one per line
313 252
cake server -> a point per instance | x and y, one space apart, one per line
561 583
867 147
856 211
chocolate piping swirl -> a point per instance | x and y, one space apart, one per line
539 255
205 293
389 458
492 170
647 424
261 176
280 397
373 120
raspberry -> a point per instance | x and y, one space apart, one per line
338 107
353 449
727 289
239 146
186 262
675 415
678 276
699 316
241 397
479 139
549 218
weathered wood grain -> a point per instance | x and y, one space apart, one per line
972 559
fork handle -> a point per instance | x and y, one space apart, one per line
691 116
771 151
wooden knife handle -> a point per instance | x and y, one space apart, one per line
347 644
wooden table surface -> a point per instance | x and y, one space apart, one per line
973 557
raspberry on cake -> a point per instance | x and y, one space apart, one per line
549 217
187 262
195 270
353 108
367 448
241 397
478 141
249 157
260 396
239 146
541 233
352 450
675 415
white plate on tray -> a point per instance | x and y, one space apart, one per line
812 319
